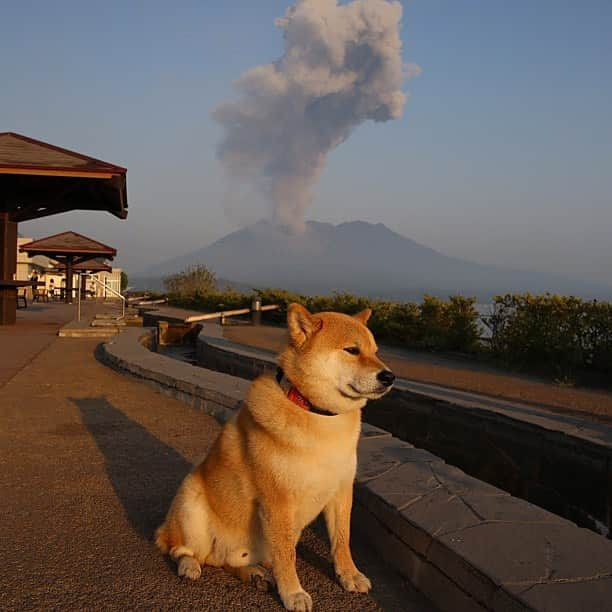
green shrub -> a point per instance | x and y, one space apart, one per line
433 325
560 334
193 280
211 301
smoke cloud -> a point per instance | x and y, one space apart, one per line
341 66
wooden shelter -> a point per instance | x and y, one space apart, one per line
38 179
69 249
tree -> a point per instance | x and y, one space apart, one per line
124 280
193 279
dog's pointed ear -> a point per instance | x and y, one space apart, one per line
363 316
301 324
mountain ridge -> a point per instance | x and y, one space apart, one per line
362 258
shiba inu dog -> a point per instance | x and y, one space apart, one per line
289 454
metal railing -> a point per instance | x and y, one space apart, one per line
143 302
222 314
105 286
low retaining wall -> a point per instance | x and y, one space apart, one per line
217 394
465 544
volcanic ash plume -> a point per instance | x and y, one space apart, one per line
341 66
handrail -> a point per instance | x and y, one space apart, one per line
216 315
140 302
106 287
226 313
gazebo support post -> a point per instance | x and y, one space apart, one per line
8 267
69 260
79 297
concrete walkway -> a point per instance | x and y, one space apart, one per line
35 329
89 463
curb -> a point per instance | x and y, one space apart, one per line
129 353
465 544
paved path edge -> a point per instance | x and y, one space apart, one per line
464 544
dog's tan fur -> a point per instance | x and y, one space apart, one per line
276 466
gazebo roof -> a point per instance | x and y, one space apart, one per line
39 179
19 152
92 265
68 243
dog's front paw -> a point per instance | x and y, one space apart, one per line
189 568
300 601
357 583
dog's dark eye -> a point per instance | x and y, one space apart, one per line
353 350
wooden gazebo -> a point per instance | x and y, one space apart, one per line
91 266
38 179
69 249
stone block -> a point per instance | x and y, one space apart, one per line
443 592
584 596
378 534
375 456
489 555
413 536
459 483
404 483
506 508
378 454
439 512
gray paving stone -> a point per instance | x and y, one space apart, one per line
588 596
459 483
412 535
404 484
216 393
406 560
440 512
509 509
520 554
442 591
378 455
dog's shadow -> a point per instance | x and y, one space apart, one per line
145 474
144 471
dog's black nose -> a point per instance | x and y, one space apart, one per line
386 377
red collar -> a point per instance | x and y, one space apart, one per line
296 397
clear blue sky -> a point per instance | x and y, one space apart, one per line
504 154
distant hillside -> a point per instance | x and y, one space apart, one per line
361 258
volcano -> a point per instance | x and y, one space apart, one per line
360 258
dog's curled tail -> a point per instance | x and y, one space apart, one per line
162 539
